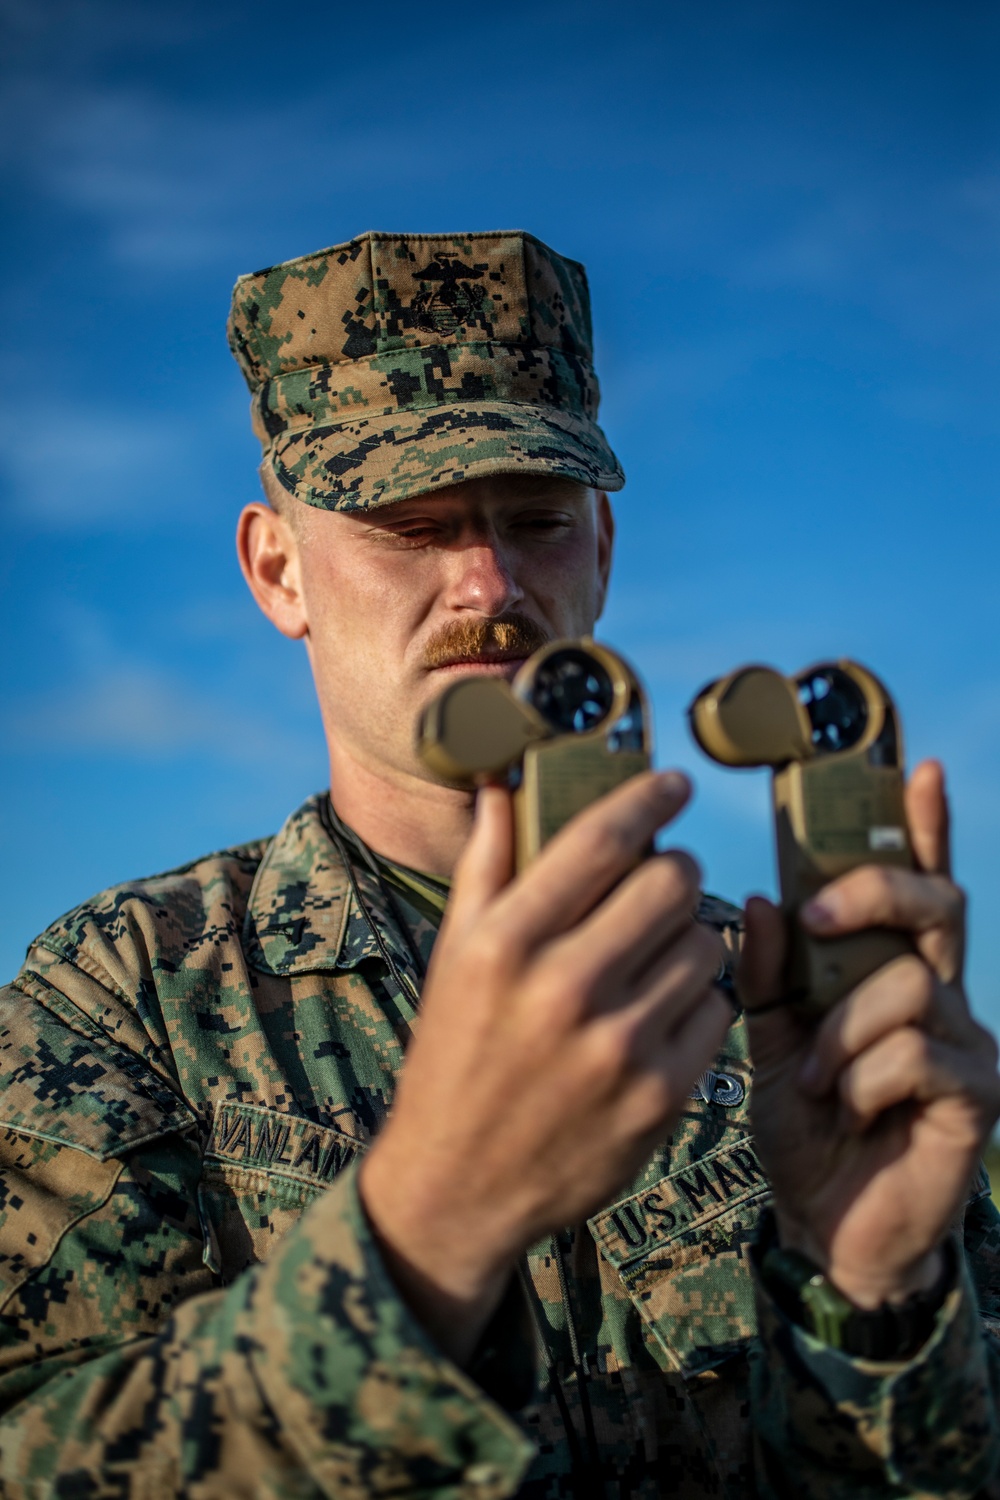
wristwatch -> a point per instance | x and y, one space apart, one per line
893 1331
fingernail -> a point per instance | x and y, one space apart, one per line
821 915
671 784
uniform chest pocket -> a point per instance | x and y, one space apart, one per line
681 1249
262 1170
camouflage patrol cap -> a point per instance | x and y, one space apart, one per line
395 364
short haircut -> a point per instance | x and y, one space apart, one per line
276 495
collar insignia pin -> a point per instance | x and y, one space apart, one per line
719 1088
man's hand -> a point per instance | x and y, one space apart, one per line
870 1125
565 1018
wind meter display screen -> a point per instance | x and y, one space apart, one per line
572 691
837 709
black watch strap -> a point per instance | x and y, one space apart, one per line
894 1331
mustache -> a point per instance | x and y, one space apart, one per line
498 639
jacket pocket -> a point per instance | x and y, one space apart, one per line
70 1110
681 1249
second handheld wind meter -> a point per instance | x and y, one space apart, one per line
833 738
572 725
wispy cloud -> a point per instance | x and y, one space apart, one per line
164 181
140 711
75 467
177 185
923 251
180 183
73 34
110 698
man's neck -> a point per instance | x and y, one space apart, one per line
414 822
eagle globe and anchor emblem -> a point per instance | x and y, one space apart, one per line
719 1088
454 299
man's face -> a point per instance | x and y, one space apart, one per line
470 579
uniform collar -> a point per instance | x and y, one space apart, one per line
302 914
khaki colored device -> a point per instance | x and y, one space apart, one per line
572 725
833 737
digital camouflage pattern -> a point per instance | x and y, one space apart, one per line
192 1303
396 364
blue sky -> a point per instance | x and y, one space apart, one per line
790 215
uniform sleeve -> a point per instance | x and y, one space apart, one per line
829 1425
126 1370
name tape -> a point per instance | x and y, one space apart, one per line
249 1135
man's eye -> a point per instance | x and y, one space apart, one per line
414 531
545 523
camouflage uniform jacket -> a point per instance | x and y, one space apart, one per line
192 1302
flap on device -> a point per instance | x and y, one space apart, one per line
681 1248
59 1085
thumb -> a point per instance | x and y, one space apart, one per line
762 961
927 813
487 862
771 1027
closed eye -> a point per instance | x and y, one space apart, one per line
545 522
415 533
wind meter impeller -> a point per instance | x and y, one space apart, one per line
832 736
572 725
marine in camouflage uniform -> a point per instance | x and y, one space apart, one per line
192 1300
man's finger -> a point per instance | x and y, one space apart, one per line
903 993
930 907
674 986
762 961
659 1086
775 1031
908 1065
633 925
884 896
588 857
691 1048
487 862
927 815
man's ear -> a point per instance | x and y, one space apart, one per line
605 546
269 557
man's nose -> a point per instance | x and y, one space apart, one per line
484 580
